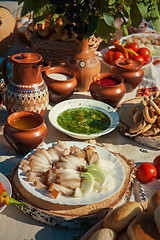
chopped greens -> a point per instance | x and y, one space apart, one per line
83 120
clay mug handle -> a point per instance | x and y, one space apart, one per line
4 69
45 65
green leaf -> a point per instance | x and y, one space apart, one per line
34 5
20 1
92 24
53 19
143 9
111 2
27 7
127 10
124 28
127 3
41 14
104 30
109 20
128 22
136 16
156 25
154 12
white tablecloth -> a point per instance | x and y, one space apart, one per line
16 225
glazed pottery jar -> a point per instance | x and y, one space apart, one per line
131 70
24 131
61 83
26 90
85 64
108 88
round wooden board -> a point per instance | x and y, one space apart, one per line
73 216
126 122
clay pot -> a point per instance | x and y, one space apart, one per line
61 83
108 94
26 90
24 131
85 64
131 70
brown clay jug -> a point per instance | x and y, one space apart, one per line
84 64
26 90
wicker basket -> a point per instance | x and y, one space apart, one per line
56 52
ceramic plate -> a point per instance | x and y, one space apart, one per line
104 50
117 179
145 40
6 184
88 103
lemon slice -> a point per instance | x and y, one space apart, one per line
87 184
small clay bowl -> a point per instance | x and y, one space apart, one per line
61 83
112 92
131 71
24 131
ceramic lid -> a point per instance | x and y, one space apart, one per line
128 64
26 58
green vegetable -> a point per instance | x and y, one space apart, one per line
5 199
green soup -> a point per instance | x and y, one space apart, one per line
83 120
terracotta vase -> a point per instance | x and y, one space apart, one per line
61 83
108 94
85 64
131 70
26 90
24 131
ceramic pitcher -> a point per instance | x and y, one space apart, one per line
26 90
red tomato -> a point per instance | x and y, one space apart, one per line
139 58
156 163
115 56
107 55
146 172
134 46
144 52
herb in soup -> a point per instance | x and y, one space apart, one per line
83 120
